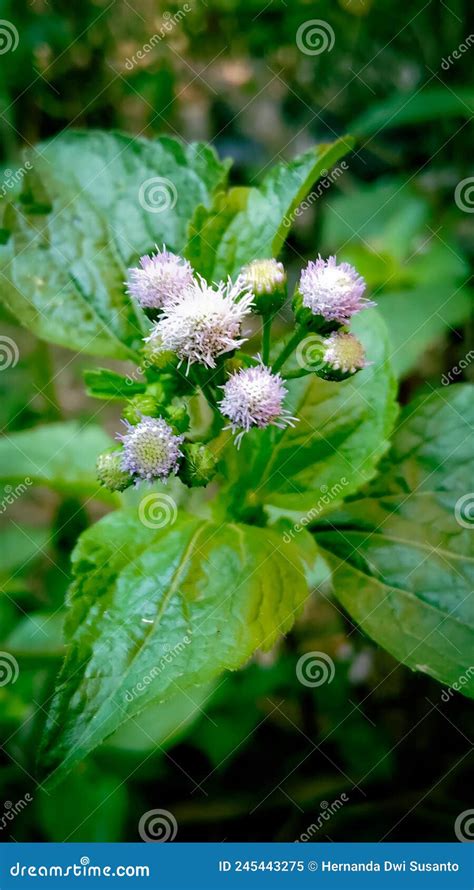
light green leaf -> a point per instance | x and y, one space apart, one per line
153 612
89 806
60 455
403 554
246 223
418 318
87 211
333 449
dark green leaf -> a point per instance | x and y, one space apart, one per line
101 383
403 554
428 104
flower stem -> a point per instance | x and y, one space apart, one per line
288 349
266 335
291 375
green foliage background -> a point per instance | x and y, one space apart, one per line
256 754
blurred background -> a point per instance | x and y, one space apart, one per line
257 756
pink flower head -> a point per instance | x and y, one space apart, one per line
253 397
334 291
159 278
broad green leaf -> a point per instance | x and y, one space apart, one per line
428 104
102 383
60 455
333 449
403 553
418 318
90 205
153 612
247 223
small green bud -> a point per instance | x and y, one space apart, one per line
267 280
231 365
145 405
155 356
178 417
198 465
308 320
343 355
109 470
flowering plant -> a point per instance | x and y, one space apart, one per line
254 463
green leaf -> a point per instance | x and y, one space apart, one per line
153 612
428 104
19 545
333 449
403 560
246 223
38 635
61 455
102 383
81 221
418 318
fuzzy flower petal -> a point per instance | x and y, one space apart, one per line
344 352
205 322
253 397
151 449
334 291
160 277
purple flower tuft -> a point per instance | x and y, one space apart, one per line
336 292
151 449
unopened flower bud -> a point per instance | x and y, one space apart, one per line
178 417
109 470
156 356
343 355
198 465
267 281
141 405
